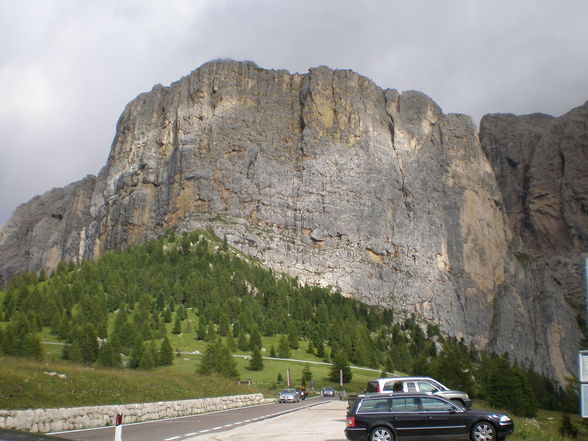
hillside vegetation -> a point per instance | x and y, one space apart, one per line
186 304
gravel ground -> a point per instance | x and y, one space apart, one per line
325 422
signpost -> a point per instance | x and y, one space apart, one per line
583 359
118 428
583 373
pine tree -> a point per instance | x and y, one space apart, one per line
283 347
224 325
218 359
243 342
148 357
256 361
340 364
210 332
231 344
166 353
293 336
88 342
320 350
108 357
177 330
306 374
255 339
567 429
201 332
32 346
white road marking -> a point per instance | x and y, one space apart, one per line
170 439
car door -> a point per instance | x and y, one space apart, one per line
443 421
406 418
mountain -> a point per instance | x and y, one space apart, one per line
329 178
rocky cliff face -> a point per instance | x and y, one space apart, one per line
332 179
46 230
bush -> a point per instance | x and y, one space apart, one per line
567 428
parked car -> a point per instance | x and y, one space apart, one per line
289 396
328 392
17 435
419 384
403 416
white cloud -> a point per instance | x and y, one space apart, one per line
68 68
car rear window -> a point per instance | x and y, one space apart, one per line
372 386
404 405
375 405
388 386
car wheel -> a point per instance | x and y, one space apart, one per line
381 434
483 432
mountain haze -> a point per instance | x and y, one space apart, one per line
328 177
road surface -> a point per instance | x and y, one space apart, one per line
315 419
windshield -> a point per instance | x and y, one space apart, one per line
438 385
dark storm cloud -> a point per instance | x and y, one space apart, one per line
67 69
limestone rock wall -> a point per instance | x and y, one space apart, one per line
46 230
328 177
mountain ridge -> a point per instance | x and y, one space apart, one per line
332 179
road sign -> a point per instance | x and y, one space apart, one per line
583 374
584 400
583 366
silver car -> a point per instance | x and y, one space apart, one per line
419 384
289 396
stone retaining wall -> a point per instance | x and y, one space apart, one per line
57 420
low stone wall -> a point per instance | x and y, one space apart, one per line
70 418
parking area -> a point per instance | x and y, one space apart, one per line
325 422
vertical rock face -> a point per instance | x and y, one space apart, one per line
541 165
46 230
334 180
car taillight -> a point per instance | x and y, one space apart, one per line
350 421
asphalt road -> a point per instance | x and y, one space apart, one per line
315 419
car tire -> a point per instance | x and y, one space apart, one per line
483 431
381 434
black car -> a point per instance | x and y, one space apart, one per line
402 416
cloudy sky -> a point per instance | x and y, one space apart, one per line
68 68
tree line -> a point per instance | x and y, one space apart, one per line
114 311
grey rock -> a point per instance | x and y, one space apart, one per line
329 178
46 230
